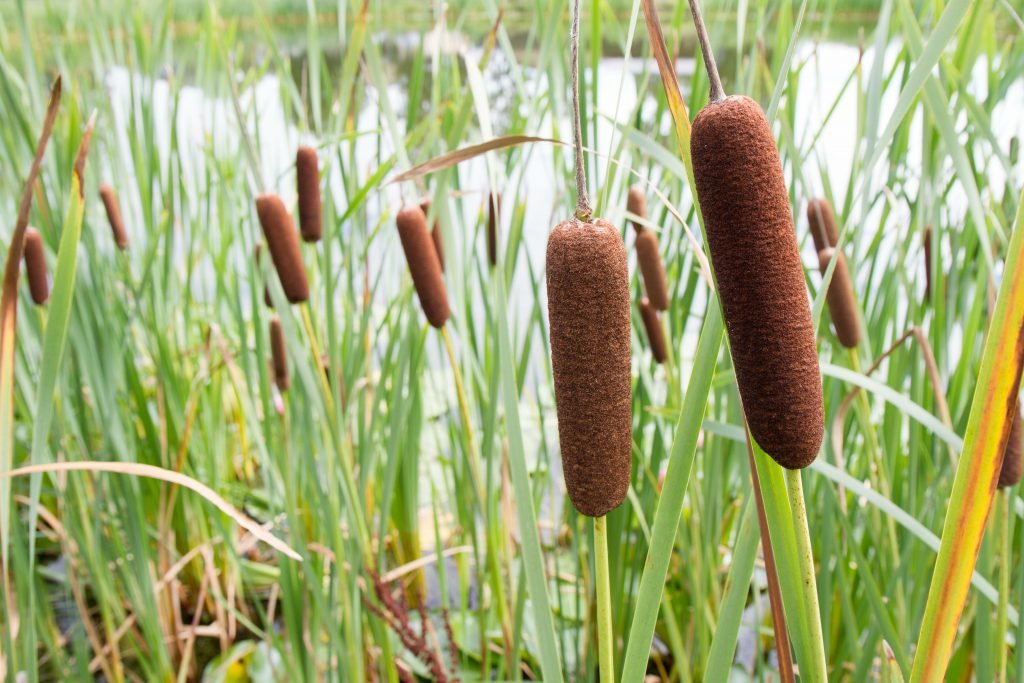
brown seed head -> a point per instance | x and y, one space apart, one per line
655 333
435 231
842 304
1010 472
493 209
753 247
926 246
35 267
110 203
307 176
648 257
424 266
283 244
636 204
588 310
822 223
279 355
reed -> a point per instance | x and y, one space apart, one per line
842 303
307 179
424 264
113 209
283 245
35 267
655 333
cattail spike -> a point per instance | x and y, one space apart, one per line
424 266
749 225
113 208
307 177
636 204
1009 473
493 211
588 310
35 267
283 244
822 223
435 231
279 355
842 304
655 333
648 256
926 246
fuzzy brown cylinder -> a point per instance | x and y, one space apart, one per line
424 266
435 231
636 204
35 267
822 223
278 355
307 178
655 333
588 312
926 246
749 224
648 257
842 304
1009 473
110 203
283 245
493 210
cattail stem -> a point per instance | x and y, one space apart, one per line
814 670
605 639
1002 609
583 208
717 91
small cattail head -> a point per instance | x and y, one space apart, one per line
648 257
749 225
1009 474
636 204
279 355
435 231
655 333
926 247
493 211
424 266
35 267
842 304
307 176
822 223
113 209
283 244
588 312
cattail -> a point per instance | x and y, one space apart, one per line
926 246
258 257
35 267
307 178
588 310
1010 472
842 304
435 231
823 224
493 209
636 204
278 354
655 333
424 265
753 248
109 198
283 244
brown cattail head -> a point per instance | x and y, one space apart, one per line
926 246
588 311
753 248
283 244
842 304
822 223
279 355
424 266
648 256
655 333
493 209
636 204
110 203
435 231
307 177
1010 472
35 267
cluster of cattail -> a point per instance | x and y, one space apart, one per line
283 245
278 355
113 209
435 231
1009 473
842 304
648 256
307 178
742 194
35 267
493 212
424 264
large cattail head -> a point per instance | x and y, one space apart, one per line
636 204
842 304
283 245
757 265
424 266
278 354
35 267
113 209
648 257
435 231
307 176
822 223
655 333
1009 474
493 211
588 310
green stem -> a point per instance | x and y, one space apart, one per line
816 669
605 651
